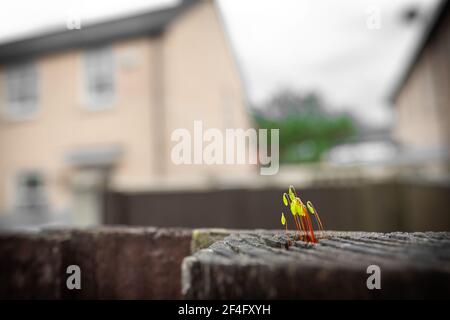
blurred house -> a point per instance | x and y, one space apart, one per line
422 98
89 110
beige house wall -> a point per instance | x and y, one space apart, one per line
202 82
64 122
423 104
186 74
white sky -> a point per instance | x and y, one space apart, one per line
321 45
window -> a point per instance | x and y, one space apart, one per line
30 190
99 77
21 90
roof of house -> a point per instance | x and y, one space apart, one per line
150 23
442 11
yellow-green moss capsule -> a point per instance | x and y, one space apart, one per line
310 207
293 208
283 219
300 208
292 190
285 200
304 211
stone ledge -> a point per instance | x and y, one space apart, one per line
30 266
115 262
145 263
257 266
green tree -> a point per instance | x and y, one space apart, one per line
307 131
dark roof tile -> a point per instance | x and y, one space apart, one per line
150 23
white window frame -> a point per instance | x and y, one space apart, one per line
20 110
92 67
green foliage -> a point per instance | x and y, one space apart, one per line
306 131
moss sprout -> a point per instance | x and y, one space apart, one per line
301 214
